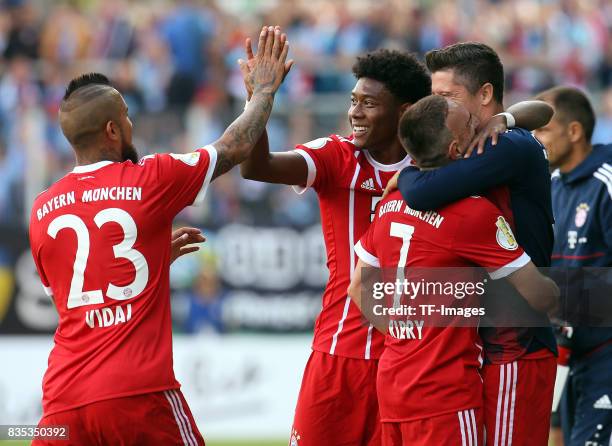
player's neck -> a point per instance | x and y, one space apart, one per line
488 112
85 157
576 157
438 164
388 155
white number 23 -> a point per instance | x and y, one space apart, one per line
77 296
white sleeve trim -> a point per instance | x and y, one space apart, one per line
508 269
312 171
48 291
364 255
212 163
604 174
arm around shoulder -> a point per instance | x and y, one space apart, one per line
531 115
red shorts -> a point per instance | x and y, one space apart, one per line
462 428
337 403
151 418
518 401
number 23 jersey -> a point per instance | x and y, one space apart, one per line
100 238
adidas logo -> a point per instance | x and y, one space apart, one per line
603 403
368 184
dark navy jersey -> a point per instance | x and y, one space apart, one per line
519 162
582 205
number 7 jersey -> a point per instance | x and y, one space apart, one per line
100 238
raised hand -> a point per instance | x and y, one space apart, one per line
279 44
263 77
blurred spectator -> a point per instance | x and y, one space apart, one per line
66 35
205 303
115 38
125 82
603 127
187 30
175 63
23 36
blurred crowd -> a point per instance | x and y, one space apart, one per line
175 63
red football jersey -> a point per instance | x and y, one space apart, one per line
349 184
100 238
433 364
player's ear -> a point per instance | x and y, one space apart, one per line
454 150
112 131
486 94
575 132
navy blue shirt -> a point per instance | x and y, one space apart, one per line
519 162
582 205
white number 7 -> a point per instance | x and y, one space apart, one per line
77 296
404 232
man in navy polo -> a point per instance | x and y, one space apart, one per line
582 206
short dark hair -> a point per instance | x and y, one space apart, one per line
84 80
423 131
400 72
571 104
93 91
473 63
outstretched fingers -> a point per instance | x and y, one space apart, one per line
283 56
269 42
248 48
262 42
276 47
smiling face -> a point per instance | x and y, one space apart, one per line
373 115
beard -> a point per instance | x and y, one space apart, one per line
129 153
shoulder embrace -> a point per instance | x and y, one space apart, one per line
475 207
519 138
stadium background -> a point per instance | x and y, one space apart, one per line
244 306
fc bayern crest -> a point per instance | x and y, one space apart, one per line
582 212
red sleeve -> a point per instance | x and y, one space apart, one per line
182 178
34 247
486 239
323 158
365 247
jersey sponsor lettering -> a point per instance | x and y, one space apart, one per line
100 238
421 362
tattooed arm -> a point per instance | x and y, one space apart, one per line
240 137
287 167
267 73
